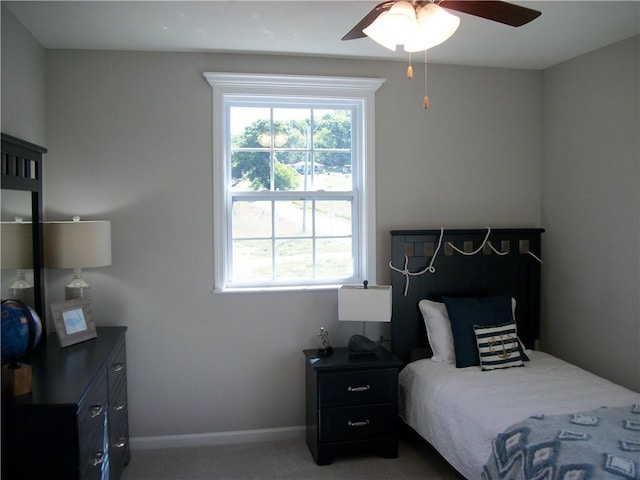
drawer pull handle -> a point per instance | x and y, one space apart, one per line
358 424
359 389
121 405
98 458
122 441
118 367
96 411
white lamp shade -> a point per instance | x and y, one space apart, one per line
81 244
357 304
16 244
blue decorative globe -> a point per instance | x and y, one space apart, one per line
21 329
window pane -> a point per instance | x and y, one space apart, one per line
293 218
333 218
294 259
250 171
252 260
333 180
332 129
246 124
251 219
285 176
334 258
295 125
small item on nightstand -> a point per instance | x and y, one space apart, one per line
326 349
361 345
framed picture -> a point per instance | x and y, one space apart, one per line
73 321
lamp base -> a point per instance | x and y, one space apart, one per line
21 289
77 288
361 345
74 292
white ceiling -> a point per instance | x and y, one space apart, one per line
314 27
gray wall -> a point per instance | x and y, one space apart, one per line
23 81
590 205
129 139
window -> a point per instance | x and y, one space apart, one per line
293 180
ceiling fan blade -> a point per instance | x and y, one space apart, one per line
356 32
501 12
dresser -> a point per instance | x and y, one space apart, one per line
74 423
351 404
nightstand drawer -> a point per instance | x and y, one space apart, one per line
358 387
357 423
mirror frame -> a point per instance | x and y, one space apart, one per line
22 170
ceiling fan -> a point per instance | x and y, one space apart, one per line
419 25
502 12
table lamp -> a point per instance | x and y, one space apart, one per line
77 245
364 303
16 244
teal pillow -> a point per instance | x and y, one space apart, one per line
464 313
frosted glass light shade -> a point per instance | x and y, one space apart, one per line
357 304
379 32
81 244
435 25
400 25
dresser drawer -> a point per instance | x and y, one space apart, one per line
358 387
93 409
93 457
358 423
119 447
118 405
117 369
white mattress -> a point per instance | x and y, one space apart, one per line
460 410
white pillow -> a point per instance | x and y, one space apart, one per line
438 325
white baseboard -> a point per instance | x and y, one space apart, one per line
217 438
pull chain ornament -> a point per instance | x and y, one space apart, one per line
410 69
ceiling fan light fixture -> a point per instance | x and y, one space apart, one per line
395 26
380 32
434 26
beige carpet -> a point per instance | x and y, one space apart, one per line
288 459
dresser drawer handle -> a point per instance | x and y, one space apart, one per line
95 411
359 389
122 441
121 405
358 424
98 458
118 367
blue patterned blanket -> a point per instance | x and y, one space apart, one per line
601 444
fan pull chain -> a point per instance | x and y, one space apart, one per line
410 68
425 100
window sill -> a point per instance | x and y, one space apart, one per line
280 289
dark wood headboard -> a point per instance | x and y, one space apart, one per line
516 273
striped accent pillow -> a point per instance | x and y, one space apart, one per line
498 346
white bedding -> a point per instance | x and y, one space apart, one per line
460 410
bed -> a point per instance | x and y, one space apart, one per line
510 411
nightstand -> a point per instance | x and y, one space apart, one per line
352 404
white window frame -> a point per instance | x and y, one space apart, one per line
362 90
